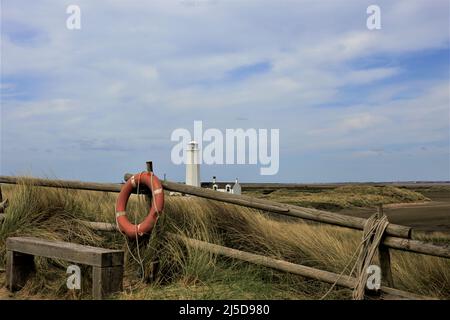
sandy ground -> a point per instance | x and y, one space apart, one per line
429 216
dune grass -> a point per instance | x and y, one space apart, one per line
186 273
343 196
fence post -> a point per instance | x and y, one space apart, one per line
1 200
155 241
148 197
385 258
149 166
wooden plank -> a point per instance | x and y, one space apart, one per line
388 293
345 221
418 246
99 226
308 272
67 184
19 266
67 251
106 281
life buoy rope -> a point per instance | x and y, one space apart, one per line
154 185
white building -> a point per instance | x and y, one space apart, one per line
192 165
221 187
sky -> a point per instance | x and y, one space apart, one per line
351 104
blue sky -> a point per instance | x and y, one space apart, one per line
351 104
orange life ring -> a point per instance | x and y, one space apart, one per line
157 204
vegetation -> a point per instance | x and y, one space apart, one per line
342 197
186 273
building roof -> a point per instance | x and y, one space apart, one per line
220 185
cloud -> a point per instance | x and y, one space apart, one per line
136 71
369 75
52 107
409 121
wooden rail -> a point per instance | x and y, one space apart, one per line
67 184
397 236
285 209
281 265
285 266
251 202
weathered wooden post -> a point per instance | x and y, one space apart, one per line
18 267
385 258
1 199
155 241
149 166
3 204
148 197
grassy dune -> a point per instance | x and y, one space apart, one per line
342 197
194 274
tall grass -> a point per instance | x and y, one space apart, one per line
184 272
344 196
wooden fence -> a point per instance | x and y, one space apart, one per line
396 236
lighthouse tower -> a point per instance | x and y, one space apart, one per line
192 164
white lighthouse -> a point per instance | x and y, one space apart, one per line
192 165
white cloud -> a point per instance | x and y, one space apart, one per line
369 75
412 121
27 110
147 67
